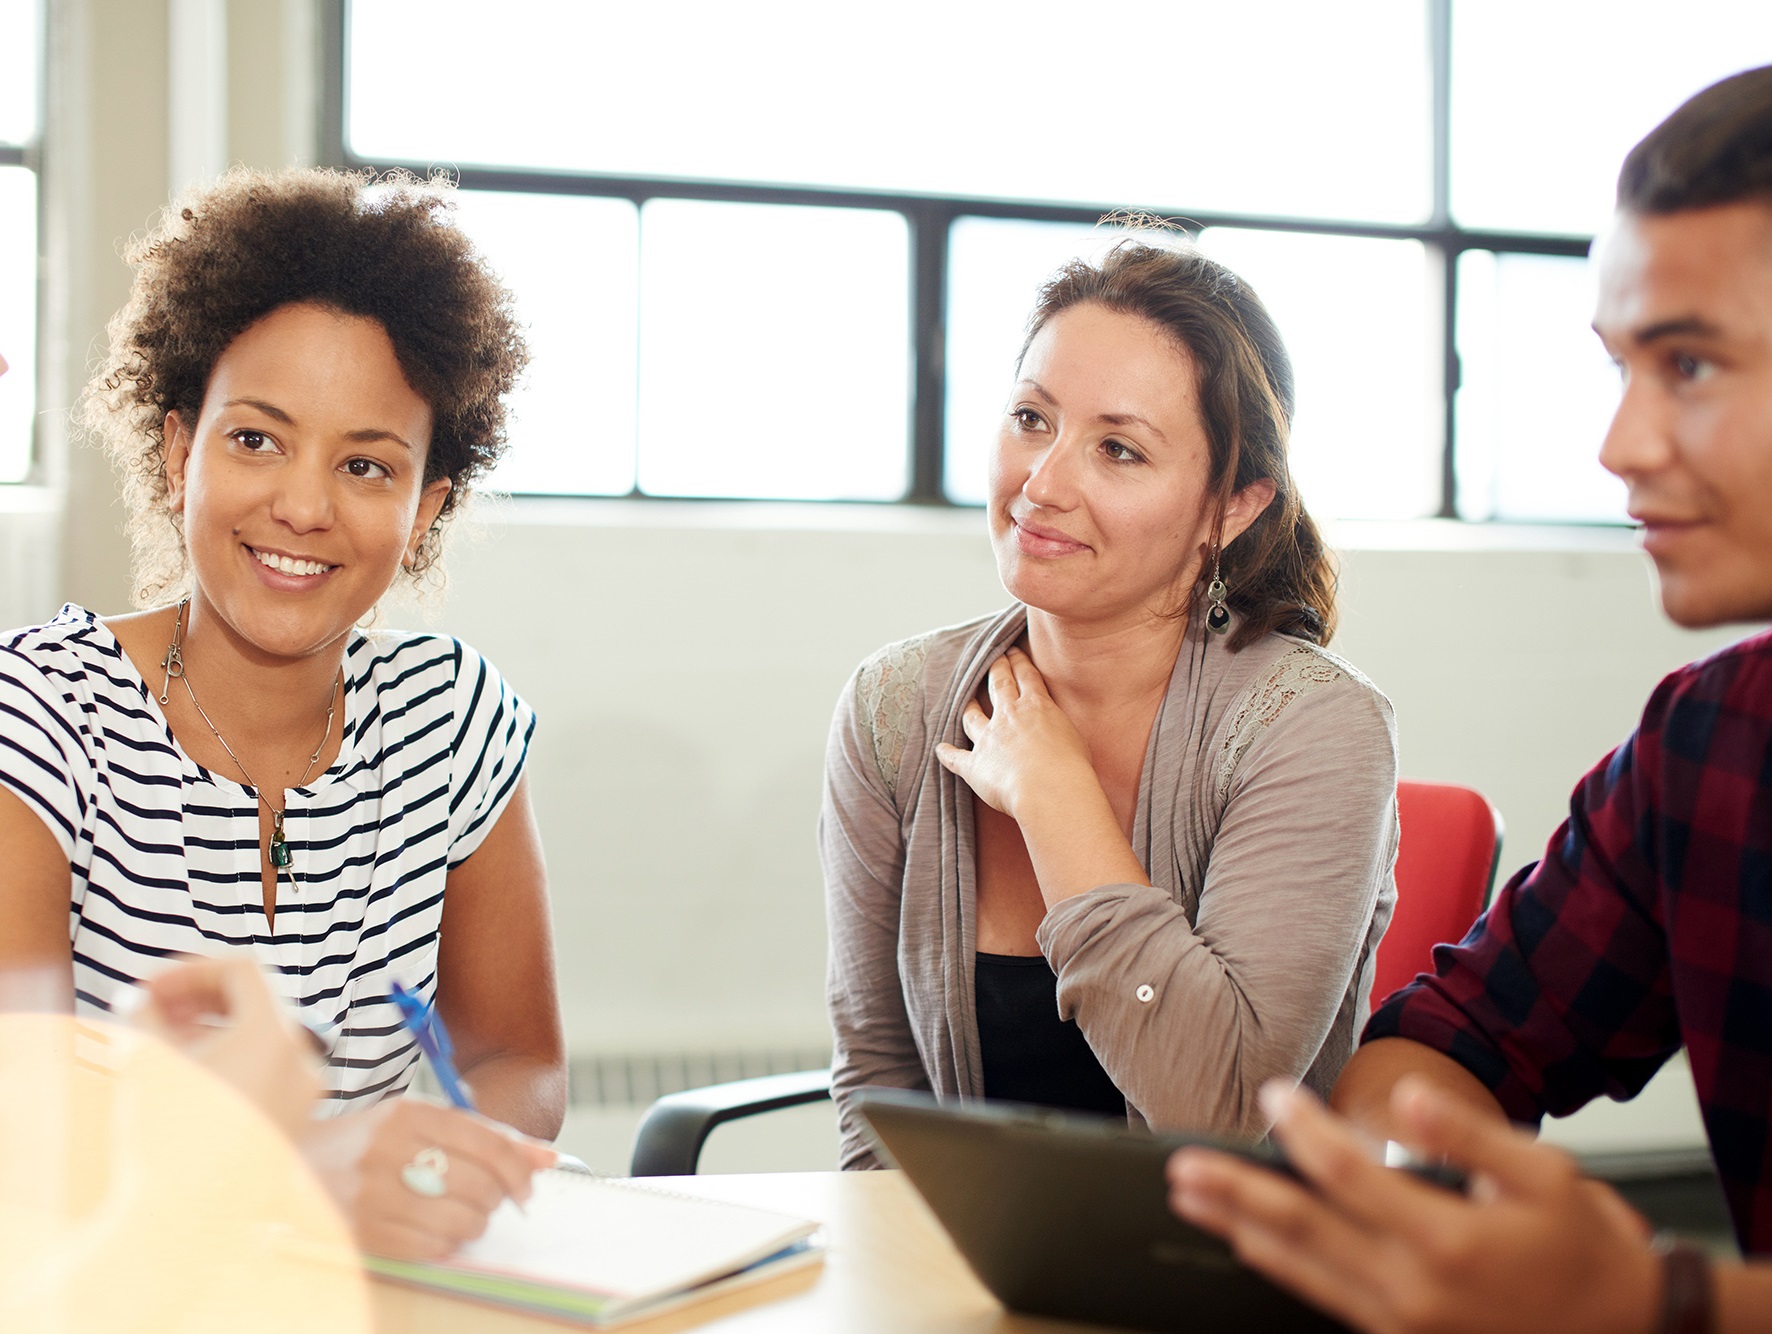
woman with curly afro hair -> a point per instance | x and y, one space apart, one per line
308 377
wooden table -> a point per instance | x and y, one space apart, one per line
888 1269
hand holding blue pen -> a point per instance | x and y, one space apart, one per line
426 1027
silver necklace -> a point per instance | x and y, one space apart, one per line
174 665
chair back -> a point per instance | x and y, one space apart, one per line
1449 845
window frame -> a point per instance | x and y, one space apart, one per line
929 218
29 155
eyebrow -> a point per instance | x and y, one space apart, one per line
362 436
1686 326
1111 418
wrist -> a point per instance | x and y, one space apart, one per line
1061 801
1688 1290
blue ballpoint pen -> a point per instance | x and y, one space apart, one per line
426 1027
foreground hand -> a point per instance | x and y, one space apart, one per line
221 1014
1023 746
1534 1246
362 1157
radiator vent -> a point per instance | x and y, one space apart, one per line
634 1079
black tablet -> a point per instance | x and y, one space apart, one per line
1066 1215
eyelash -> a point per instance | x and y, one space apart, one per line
1687 366
1027 419
244 437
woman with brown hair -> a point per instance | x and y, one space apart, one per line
1126 846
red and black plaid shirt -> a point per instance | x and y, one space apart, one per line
1648 925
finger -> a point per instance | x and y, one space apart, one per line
974 722
1617 1212
400 1241
446 1219
509 1161
956 761
1333 1156
466 1180
1027 676
186 992
1001 683
462 1136
1278 1226
246 992
1439 1126
1325 1286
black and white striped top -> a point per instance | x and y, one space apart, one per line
164 855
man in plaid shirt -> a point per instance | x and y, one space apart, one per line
1648 924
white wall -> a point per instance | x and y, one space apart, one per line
684 660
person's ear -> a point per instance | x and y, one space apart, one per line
1245 508
430 505
177 436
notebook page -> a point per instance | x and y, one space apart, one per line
623 1240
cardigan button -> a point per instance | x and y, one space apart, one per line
1146 993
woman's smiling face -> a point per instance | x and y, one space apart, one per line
1100 502
301 483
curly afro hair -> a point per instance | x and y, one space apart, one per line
385 249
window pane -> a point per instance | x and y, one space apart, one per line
18 319
1536 392
1288 107
19 53
995 268
774 351
574 265
1355 314
1548 98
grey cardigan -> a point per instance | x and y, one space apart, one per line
1266 818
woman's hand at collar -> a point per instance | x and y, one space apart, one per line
1029 761
1025 751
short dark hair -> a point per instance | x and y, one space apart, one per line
383 249
1280 575
1715 149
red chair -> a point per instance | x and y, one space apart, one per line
1449 847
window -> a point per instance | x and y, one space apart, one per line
786 250
20 61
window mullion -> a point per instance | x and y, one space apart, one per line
1439 27
929 264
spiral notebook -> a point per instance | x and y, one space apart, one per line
599 1250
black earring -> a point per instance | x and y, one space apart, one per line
1218 616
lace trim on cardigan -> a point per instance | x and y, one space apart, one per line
886 690
1293 674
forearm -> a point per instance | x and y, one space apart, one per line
1363 1092
872 1042
524 1091
1743 1297
1076 844
1187 1039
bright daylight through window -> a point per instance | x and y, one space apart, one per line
785 251
20 55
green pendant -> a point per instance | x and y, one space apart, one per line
279 848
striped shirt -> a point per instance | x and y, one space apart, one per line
164 856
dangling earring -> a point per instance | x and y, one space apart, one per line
1218 616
